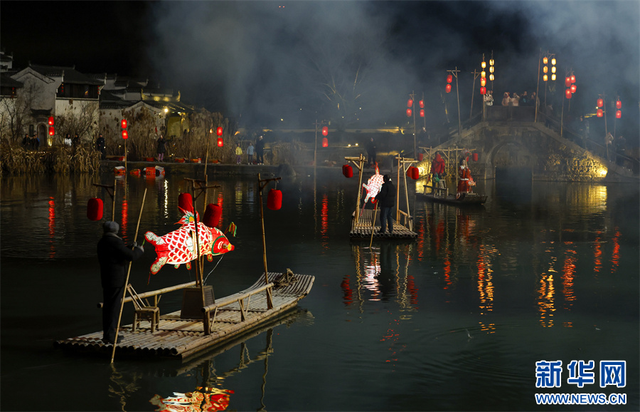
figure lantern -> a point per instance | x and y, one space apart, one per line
410 103
483 90
125 134
219 131
421 103
347 171
212 215
52 131
599 103
449 78
618 114
220 142
618 104
421 112
325 142
185 202
567 93
573 88
274 199
95 208
50 120
123 123
410 112
599 113
325 131
447 89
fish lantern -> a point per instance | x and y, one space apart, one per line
409 112
567 93
599 103
618 104
347 171
325 131
219 131
413 173
449 78
599 113
483 81
212 215
567 81
483 90
274 199
95 208
448 88
325 142
220 142
618 114
421 102
421 112
410 103
420 156
573 88
185 202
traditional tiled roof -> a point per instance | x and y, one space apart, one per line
7 81
109 100
69 74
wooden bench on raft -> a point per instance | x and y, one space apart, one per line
240 299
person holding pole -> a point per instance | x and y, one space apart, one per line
113 255
387 199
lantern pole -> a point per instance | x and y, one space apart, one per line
455 74
535 117
615 119
473 89
424 118
413 108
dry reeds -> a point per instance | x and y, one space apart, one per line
16 160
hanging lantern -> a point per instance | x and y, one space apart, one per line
553 77
567 81
410 103
599 103
545 60
421 112
52 131
573 88
618 104
449 78
409 112
185 202
420 157
553 69
325 142
545 78
220 142
219 131
618 114
95 208
447 89
491 62
51 120
491 69
491 77
573 78
325 131
413 173
212 215
567 93
483 64
347 171
475 157
274 199
123 123
483 82
421 103
545 69
125 134
599 113
553 61
483 90
483 74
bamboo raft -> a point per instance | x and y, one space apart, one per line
230 316
363 227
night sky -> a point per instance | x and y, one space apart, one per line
260 62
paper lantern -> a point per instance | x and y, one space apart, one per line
545 60
95 208
483 65
185 202
347 171
413 173
123 123
567 81
212 215
219 131
420 156
618 104
567 93
325 131
553 61
448 88
599 113
220 142
491 77
125 134
545 69
483 81
553 69
573 88
599 103
573 78
421 112
475 157
274 199
325 142
410 112
553 77
483 90
52 131
545 78
421 103
51 120
449 78
410 103
618 114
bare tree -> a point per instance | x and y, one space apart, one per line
15 114
84 121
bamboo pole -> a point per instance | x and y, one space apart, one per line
115 340
373 224
264 241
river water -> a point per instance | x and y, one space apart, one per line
460 319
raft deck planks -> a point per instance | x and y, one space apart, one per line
362 228
176 337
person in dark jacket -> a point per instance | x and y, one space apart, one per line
161 148
387 200
260 150
100 145
113 255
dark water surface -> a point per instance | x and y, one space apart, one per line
453 321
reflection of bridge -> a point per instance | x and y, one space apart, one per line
509 137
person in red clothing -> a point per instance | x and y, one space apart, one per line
464 179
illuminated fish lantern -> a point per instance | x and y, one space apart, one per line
178 247
202 399
373 185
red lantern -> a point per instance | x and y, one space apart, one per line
325 142
449 78
483 90
274 199
51 120
123 123
567 93
212 215
420 156
618 104
347 171
421 102
618 114
410 103
483 81
185 202
475 157
325 131
125 134
573 88
448 88
567 82
52 131
599 113
220 142
573 78
219 131
409 112
413 173
95 209
599 103
421 112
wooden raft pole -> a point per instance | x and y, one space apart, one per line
262 183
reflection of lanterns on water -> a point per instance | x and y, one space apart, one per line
202 399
